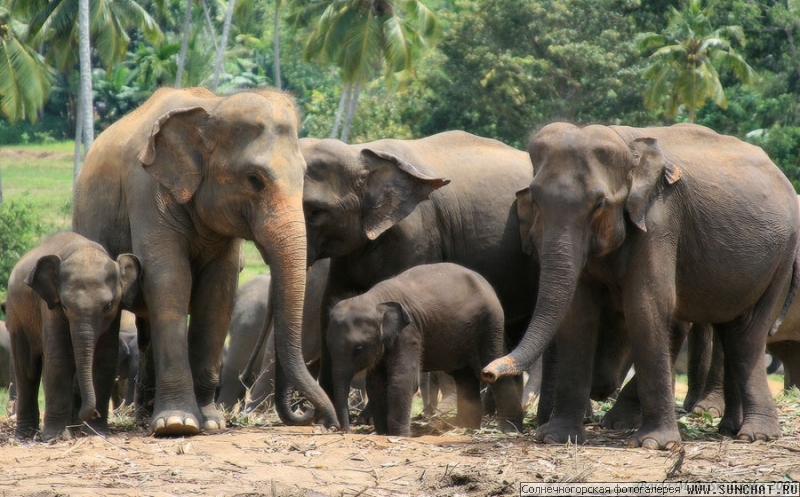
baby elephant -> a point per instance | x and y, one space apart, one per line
443 317
63 312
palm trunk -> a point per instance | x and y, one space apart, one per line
344 102
226 29
351 110
276 45
187 26
84 54
76 159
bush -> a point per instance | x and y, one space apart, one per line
20 229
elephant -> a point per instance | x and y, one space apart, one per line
63 313
180 181
378 208
127 363
669 223
6 367
249 313
431 317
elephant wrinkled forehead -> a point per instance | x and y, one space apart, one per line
354 314
270 112
88 269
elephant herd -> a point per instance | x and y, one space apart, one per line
600 245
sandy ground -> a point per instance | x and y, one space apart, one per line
258 456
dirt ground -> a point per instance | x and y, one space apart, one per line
257 456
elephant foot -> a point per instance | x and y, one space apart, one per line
713 404
623 416
468 421
510 425
560 432
25 431
213 418
755 428
96 426
661 438
175 423
56 433
730 424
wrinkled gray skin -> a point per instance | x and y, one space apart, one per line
63 310
379 208
6 368
180 181
127 363
673 223
247 324
434 317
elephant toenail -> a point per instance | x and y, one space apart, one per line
714 412
190 422
672 445
160 423
651 444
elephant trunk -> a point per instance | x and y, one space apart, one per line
341 394
283 246
561 265
83 347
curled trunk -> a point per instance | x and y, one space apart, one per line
284 248
558 280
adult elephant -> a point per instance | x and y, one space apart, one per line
674 223
378 208
179 182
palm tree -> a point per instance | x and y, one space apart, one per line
363 37
25 78
683 68
226 29
66 31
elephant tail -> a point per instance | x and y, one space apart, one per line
793 286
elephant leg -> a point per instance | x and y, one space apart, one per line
544 409
57 380
743 343
426 384
648 315
469 410
145 379
28 373
212 306
712 399
376 391
789 354
402 368
575 341
104 372
699 363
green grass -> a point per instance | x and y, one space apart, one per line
41 175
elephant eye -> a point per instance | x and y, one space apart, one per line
256 182
599 203
314 216
109 305
357 350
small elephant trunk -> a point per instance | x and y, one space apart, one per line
341 396
83 346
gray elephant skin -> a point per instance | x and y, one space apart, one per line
179 182
249 313
63 311
669 223
379 208
432 317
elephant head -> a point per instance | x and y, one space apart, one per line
353 194
590 188
90 289
359 334
235 163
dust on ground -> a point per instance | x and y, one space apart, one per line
257 456
13 154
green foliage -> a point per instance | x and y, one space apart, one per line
782 144
20 228
686 58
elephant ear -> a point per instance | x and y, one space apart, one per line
395 318
649 167
393 189
525 213
175 149
130 271
45 279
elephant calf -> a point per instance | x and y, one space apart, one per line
63 314
443 317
